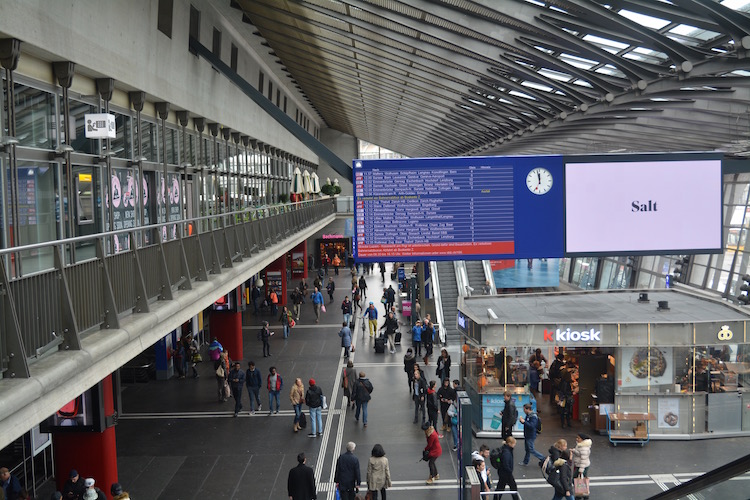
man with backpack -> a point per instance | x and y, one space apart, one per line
505 468
510 415
362 397
531 427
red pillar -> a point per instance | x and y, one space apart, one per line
92 454
226 326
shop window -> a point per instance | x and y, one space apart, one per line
150 141
171 145
122 144
77 140
36 125
38 212
270 91
216 47
164 17
261 81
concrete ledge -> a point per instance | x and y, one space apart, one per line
60 377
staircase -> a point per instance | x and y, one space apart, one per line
449 298
475 273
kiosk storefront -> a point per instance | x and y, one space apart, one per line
682 357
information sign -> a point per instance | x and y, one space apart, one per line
473 208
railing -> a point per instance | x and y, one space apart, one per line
435 281
462 279
48 310
344 204
490 276
727 481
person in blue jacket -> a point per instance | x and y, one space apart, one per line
236 382
372 316
530 424
254 383
317 300
416 339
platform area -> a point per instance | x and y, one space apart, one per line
175 441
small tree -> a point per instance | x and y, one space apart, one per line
327 189
336 189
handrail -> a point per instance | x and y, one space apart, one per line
438 299
79 239
710 478
489 276
462 278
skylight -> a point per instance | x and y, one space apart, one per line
644 20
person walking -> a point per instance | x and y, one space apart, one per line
11 486
505 472
346 309
443 366
481 469
509 415
409 362
273 298
363 285
274 383
264 335
255 296
432 451
582 457
297 299
297 397
346 338
428 334
391 327
566 398
418 394
530 426
286 321
330 288
447 396
300 484
564 486
416 338
314 401
195 356
378 473
356 300
349 383
221 369
362 397
347 474
432 405
317 301
253 381
390 296
236 382
372 317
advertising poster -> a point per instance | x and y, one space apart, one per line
124 199
298 264
640 362
669 413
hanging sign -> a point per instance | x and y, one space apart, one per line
100 126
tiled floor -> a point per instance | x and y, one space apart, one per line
176 442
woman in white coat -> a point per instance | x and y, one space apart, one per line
582 457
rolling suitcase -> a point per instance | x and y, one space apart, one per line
380 345
397 339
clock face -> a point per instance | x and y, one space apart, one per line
539 181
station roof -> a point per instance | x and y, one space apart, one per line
489 77
599 307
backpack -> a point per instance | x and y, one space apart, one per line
548 468
302 421
495 457
538 425
554 479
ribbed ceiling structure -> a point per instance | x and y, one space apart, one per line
458 77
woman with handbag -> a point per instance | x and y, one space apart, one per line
378 473
221 369
348 383
581 462
297 397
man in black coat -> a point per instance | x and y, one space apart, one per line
510 415
347 474
505 472
301 482
418 394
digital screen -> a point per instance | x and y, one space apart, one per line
470 208
643 204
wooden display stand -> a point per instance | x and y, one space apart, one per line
639 433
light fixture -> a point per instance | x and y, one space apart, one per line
491 314
7 140
63 148
186 165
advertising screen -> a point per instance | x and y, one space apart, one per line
643 204
469 208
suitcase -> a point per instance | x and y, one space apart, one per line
397 340
380 345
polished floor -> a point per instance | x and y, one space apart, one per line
174 441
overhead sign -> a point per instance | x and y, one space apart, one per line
568 335
100 126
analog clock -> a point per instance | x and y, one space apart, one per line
539 180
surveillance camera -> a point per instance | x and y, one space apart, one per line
491 314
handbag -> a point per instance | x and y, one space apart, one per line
220 371
197 358
581 486
323 307
383 300
292 323
227 391
325 403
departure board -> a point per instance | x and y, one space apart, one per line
448 208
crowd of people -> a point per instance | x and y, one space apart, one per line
75 488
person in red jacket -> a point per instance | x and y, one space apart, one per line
432 451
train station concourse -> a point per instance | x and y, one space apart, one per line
542 204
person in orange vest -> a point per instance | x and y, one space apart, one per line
274 302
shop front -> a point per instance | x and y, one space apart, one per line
681 360
334 250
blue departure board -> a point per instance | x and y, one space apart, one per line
468 208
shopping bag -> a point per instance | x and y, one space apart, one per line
292 323
323 308
581 486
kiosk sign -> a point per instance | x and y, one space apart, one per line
568 335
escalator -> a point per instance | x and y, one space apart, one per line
449 299
475 273
727 481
